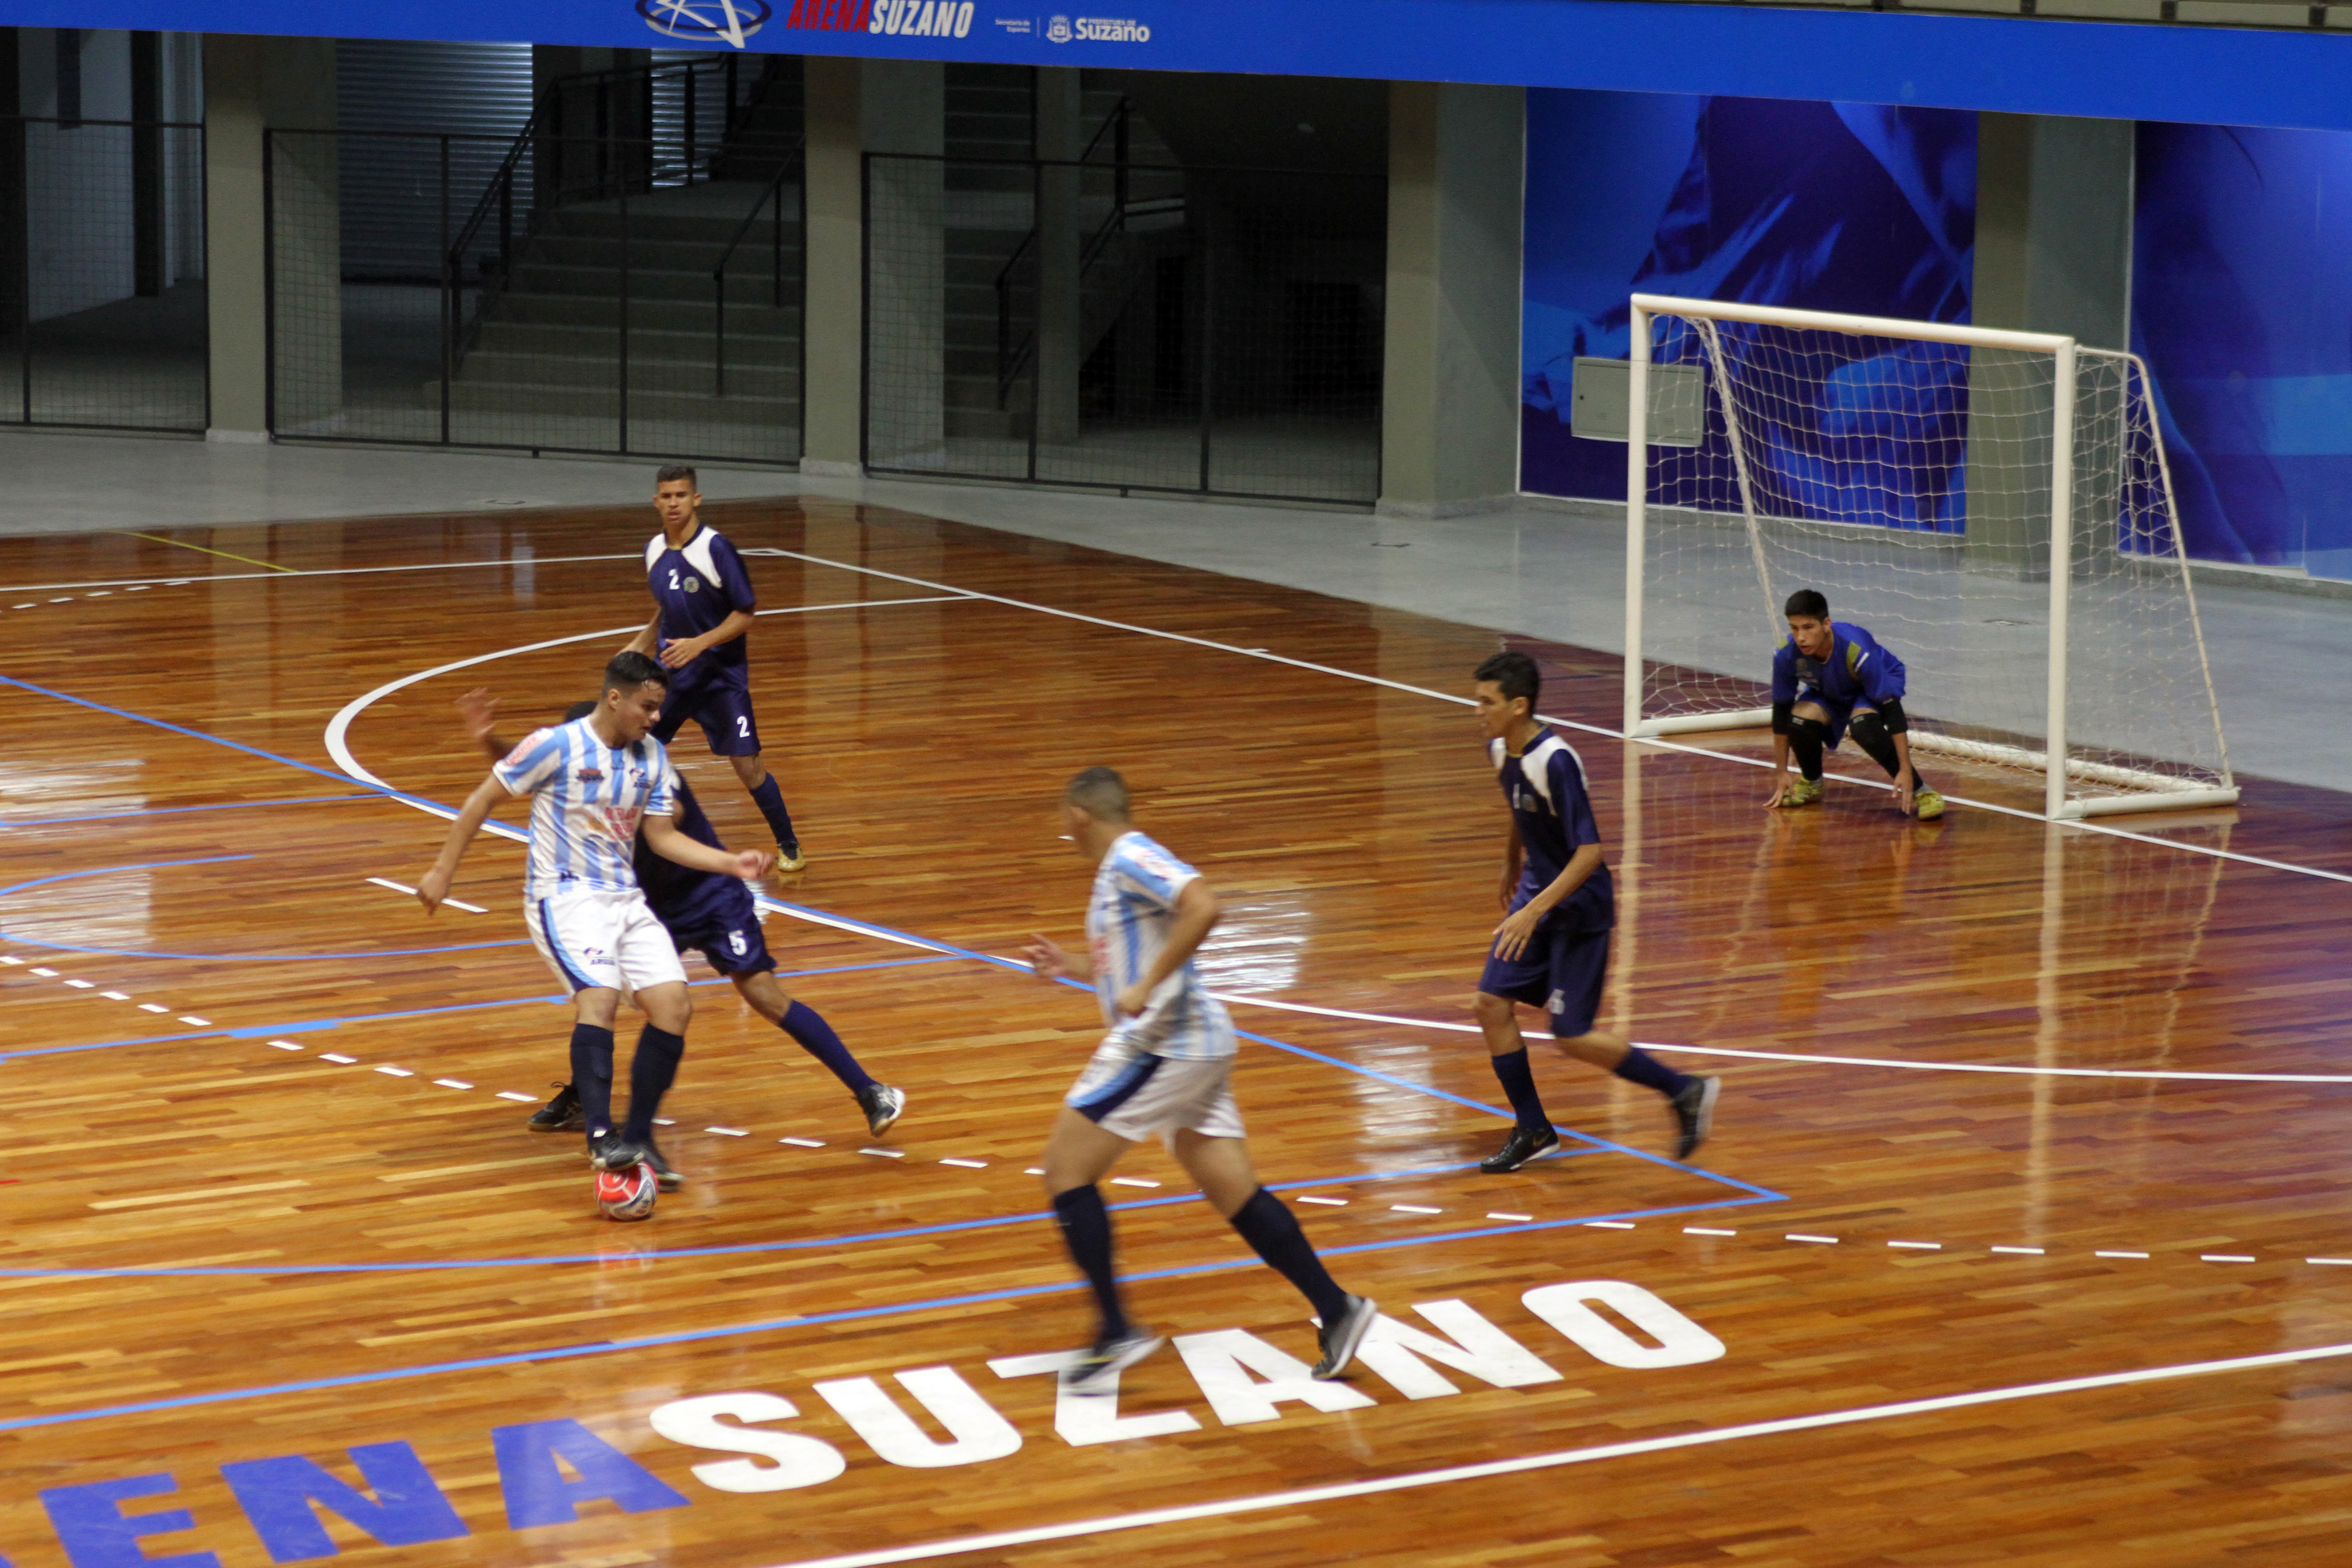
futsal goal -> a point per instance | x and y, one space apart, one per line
1995 506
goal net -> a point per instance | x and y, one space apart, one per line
1911 472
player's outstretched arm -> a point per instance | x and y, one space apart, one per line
1049 960
668 843
1197 910
433 886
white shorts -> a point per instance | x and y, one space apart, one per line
591 938
1133 1096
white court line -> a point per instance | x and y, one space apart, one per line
1232 998
1304 1497
136 584
338 748
1569 724
803 1142
404 887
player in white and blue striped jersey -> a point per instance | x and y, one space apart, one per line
1165 1067
593 784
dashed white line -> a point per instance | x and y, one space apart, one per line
2339 1262
519 1098
151 1008
1034 1170
67 599
2027 1251
967 1165
2119 1254
2224 1257
1412 1208
1514 1218
196 1022
115 995
452 1083
885 1154
1609 1225
45 973
395 1072
1132 1182
664 1121
10 959
1922 1245
1823 1240
451 904
728 1131
283 1045
803 1142
82 985
1325 1202
339 1060
1705 1231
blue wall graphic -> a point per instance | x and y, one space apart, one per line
2241 304
1852 207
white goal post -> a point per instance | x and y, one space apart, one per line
1995 507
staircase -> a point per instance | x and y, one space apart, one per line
543 361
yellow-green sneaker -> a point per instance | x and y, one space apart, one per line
1804 791
1928 804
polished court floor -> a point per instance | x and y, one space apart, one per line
2021 1239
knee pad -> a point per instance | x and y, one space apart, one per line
1813 730
1869 731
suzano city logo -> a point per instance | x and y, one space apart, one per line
1097 30
707 21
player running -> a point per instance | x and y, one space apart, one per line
702 606
592 783
1166 1067
1552 949
715 913
1829 678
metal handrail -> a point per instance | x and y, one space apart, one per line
1117 116
775 192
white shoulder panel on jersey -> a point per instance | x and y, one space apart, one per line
653 548
1535 767
1495 753
698 549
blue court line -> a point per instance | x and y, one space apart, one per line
169 810
733 1249
988 959
812 1320
315 1026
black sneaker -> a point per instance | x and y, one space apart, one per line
1097 1372
883 1106
561 1114
1523 1145
1694 1112
1339 1340
670 1177
617 1151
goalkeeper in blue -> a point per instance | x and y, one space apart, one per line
1831 680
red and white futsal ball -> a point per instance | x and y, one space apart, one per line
628 1194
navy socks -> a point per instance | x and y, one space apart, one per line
1086 1229
815 1036
1520 1083
591 1075
1640 1067
1273 1233
771 801
651 1072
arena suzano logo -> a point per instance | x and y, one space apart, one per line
707 21
1098 30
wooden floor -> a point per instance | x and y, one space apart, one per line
2082 1130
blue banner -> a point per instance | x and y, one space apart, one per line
2027 64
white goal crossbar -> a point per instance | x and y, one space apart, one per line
1772 392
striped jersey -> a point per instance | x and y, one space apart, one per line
586 801
1127 918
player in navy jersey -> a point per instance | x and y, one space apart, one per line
592 785
1552 949
715 914
702 608
1832 678
1165 1067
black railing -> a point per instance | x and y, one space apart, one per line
1012 358
772 198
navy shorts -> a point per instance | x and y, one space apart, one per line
723 709
729 935
1841 714
1560 970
